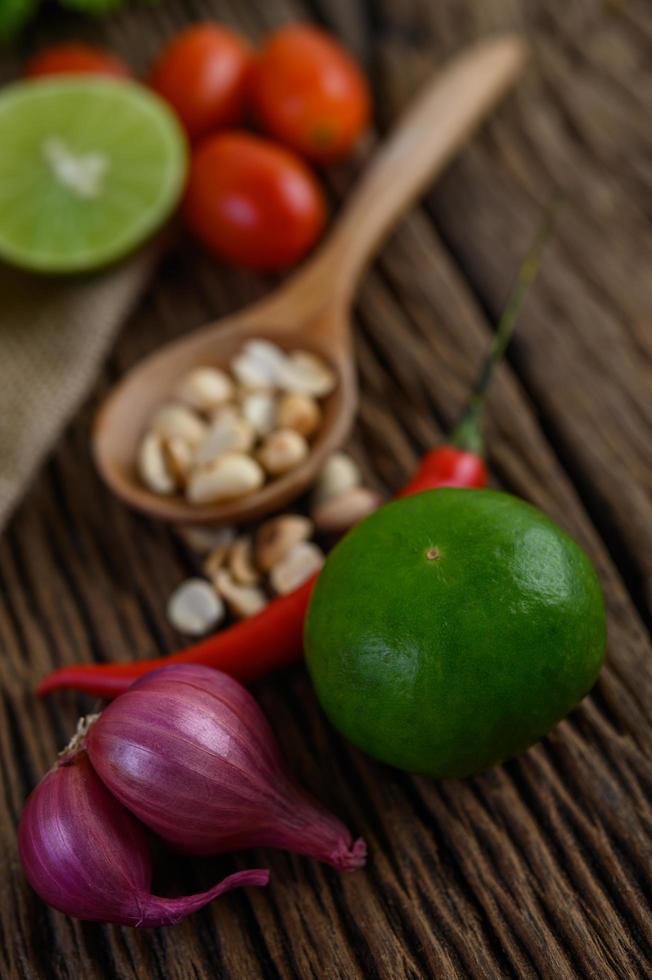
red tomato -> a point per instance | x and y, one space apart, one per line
253 202
76 58
202 74
307 91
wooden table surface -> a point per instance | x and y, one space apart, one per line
541 867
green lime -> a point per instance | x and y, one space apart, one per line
89 167
452 629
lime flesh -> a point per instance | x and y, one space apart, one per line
451 630
89 168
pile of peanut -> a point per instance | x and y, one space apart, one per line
243 572
223 434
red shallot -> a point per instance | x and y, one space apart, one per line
87 856
188 751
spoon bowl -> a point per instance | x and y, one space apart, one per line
125 414
312 310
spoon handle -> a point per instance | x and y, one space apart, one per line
433 128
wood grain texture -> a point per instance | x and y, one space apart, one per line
541 867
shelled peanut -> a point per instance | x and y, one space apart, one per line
244 571
338 499
223 434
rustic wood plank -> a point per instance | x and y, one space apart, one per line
540 867
577 127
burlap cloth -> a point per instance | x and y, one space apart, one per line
54 334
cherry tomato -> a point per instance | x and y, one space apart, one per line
252 202
202 74
307 91
76 58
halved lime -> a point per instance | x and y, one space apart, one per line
89 168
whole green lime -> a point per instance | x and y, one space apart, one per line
452 629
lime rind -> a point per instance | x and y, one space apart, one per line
46 228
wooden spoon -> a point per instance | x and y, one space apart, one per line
312 310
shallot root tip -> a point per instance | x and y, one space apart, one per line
170 911
247 879
349 858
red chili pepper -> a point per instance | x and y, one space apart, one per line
247 650
274 638
447 466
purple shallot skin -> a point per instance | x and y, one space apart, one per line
188 750
87 856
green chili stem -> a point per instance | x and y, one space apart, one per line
467 434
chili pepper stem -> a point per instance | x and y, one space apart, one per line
468 434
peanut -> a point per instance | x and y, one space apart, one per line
205 389
194 607
276 537
302 561
282 450
227 478
298 412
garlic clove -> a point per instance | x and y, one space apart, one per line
205 538
302 561
337 514
276 537
205 389
229 432
194 607
282 450
307 374
340 473
227 478
259 408
153 465
241 562
298 412
174 421
243 600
